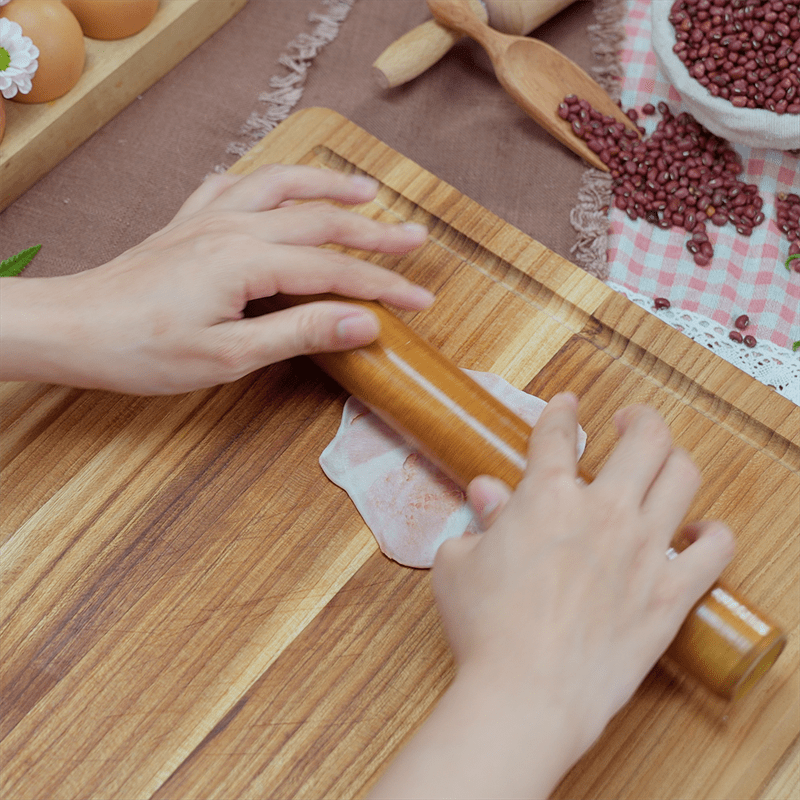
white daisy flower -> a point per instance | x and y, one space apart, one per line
18 62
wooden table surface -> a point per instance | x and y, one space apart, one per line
190 610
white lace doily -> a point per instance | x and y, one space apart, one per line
769 364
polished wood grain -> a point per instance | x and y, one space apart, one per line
39 136
190 610
725 643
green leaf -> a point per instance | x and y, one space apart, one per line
796 346
14 265
791 258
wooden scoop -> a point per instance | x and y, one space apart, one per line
535 74
420 48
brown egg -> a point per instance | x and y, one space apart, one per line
112 19
52 27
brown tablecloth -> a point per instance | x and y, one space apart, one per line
455 120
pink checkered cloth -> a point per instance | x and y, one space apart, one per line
746 275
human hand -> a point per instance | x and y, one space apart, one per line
560 608
167 315
557 610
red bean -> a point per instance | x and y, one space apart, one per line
661 302
735 336
788 219
680 176
750 341
742 321
745 51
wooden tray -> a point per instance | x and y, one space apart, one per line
39 136
191 610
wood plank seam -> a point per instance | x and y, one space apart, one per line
594 330
784 450
324 715
626 350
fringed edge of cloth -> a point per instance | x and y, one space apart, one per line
285 90
590 215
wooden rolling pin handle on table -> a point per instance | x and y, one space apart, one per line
725 643
420 48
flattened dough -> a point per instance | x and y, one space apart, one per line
410 506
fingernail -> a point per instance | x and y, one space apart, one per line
422 296
364 183
569 398
357 329
415 228
490 509
621 417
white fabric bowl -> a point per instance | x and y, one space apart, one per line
755 127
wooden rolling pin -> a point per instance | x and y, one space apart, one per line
725 643
423 46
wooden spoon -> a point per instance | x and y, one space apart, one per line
420 48
535 74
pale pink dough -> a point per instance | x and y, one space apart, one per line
410 506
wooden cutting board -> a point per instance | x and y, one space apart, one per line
191 610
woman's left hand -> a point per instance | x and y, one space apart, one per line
167 316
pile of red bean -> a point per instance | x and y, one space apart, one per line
681 176
745 51
788 206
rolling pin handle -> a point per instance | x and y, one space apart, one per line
413 53
420 48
